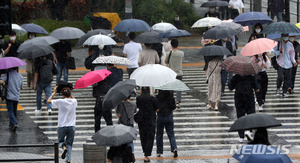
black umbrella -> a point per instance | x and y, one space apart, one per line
92 33
35 51
214 4
254 121
172 33
118 93
150 37
219 33
214 50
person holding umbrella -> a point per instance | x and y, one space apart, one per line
30 66
294 69
214 82
212 13
258 28
148 56
12 46
62 53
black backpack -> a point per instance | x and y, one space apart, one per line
46 76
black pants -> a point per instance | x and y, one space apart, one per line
262 81
283 75
147 134
100 112
293 77
130 71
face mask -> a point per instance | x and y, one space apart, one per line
285 38
292 39
257 30
12 38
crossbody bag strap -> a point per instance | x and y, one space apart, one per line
213 69
169 57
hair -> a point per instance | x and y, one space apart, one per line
145 91
131 36
263 55
14 68
257 25
66 92
147 45
165 94
12 33
174 43
261 137
108 64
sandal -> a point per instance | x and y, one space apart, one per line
63 155
178 105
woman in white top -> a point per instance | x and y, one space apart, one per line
236 7
264 63
66 120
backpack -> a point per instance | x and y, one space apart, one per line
46 76
100 88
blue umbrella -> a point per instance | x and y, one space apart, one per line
132 25
251 18
34 28
174 33
260 153
277 36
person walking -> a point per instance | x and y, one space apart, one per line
62 53
276 8
115 76
285 54
258 28
148 56
236 7
30 66
166 105
212 13
132 51
11 46
148 107
174 61
14 82
66 120
294 69
120 154
214 82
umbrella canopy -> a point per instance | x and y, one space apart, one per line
163 26
34 28
100 40
240 65
115 135
118 93
92 33
112 60
298 25
260 153
177 85
10 62
254 121
18 29
281 28
258 46
150 37
35 51
66 33
172 33
214 4
251 18
153 75
207 22
29 43
132 25
277 36
237 27
51 40
214 50
91 77
219 33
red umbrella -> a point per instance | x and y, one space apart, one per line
258 46
91 77
240 65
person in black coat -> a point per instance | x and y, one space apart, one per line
148 107
294 69
258 28
120 154
276 8
261 137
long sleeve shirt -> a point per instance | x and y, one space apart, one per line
287 57
262 61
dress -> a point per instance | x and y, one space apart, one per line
214 81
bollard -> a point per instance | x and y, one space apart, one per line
93 153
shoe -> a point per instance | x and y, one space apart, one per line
260 108
133 157
159 155
241 140
178 105
285 95
175 153
37 112
14 128
49 111
248 135
45 101
209 106
68 161
147 160
216 109
63 155
290 90
278 92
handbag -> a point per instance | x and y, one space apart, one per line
70 63
4 89
138 117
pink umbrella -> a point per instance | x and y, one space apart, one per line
91 77
258 46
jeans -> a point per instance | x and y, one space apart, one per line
168 123
12 111
69 133
178 93
294 72
278 15
283 75
100 112
60 67
39 92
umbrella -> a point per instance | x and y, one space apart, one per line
254 121
132 25
34 28
118 93
214 50
150 37
174 33
51 40
66 33
298 25
19 30
99 40
177 85
92 33
277 36
240 65
35 51
153 75
237 27
251 18
115 135
260 153
163 26
10 62
219 33
29 43
112 60
207 22
215 4
258 46
281 28
91 77
245 28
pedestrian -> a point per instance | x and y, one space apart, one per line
14 82
11 46
115 76
66 120
42 82
261 137
214 82
236 7
167 47
212 13
285 56
264 63
62 53
244 98
258 28
294 69
132 51
148 107
174 61
148 56
158 47
276 8
30 64
93 53
224 13
120 154
166 106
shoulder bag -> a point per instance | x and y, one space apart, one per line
70 63
4 88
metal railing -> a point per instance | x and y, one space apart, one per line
55 159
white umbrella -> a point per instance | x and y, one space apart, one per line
112 60
18 29
207 22
153 75
163 26
99 40
177 85
66 33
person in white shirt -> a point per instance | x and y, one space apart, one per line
66 120
132 51
236 7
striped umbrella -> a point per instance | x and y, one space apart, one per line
240 65
281 27
207 22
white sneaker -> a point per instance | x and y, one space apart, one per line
241 140
37 112
49 111
260 108
278 92
285 95
248 135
